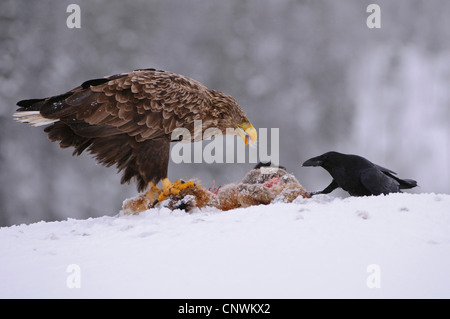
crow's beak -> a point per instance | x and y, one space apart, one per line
313 162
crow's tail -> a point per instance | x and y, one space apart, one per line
406 183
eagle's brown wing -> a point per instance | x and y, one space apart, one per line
143 103
125 119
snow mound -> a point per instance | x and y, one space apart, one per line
393 246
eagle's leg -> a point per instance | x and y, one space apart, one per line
142 202
153 192
174 188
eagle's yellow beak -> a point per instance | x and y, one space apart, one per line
247 132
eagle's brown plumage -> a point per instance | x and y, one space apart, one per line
127 119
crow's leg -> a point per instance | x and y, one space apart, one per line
327 190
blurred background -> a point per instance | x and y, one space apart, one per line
313 69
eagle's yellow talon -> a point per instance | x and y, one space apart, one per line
174 188
180 185
161 197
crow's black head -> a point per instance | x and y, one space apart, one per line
323 160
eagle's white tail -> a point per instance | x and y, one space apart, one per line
33 118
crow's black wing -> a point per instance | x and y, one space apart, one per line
376 182
404 183
385 170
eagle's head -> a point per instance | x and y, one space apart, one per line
228 116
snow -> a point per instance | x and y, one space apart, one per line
326 247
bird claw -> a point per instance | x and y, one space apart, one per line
174 188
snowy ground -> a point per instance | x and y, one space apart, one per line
322 247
